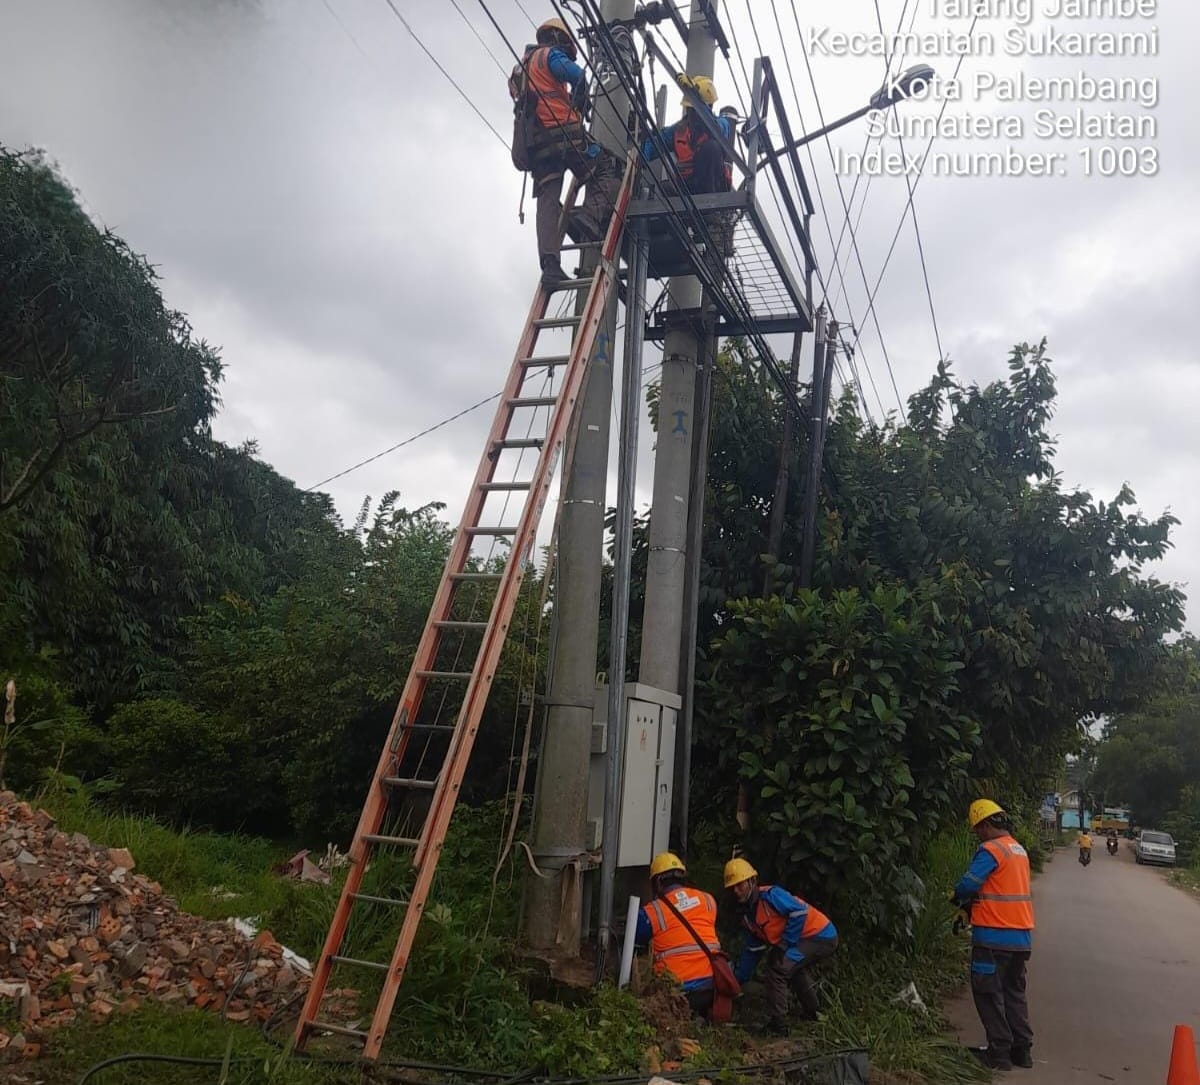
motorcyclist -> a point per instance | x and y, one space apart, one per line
1112 844
1085 846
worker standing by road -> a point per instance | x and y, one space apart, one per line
997 890
549 90
663 927
789 931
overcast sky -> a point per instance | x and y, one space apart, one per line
331 213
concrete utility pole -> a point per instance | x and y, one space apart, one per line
662 623
823 353
559 834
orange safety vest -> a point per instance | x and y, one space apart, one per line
769 925
552 96
685 150
1004 900
674 949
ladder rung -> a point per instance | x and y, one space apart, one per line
533 401
461 625
571 284
379 900
492 530
520 442
361 964
412 782
446 728
575 246
341 1030
492 487
395 841
442 674
475 576
550 360
556 322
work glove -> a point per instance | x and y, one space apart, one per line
683 80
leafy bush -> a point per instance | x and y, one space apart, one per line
182 765
841 712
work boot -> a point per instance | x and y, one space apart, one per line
1022 1057
993 1060
776 1026
552 273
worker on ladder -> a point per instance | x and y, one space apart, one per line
549 90
674 924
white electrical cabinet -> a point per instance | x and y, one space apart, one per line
649 766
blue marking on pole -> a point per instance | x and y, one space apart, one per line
602 347
679 426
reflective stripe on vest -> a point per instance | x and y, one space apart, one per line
1004 900
769 924
553 97
674 949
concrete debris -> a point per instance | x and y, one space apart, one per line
82 934
301 868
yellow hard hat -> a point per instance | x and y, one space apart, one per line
737 871
554 24
665 861
981 809
702 85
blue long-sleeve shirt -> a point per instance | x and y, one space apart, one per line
968 887
650 150
796 910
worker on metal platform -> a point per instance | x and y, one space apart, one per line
701 161
789 932
549 90
680 928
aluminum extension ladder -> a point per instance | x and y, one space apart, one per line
470 684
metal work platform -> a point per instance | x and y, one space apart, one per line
732 221
725 238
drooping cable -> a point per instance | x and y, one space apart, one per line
438 64
846 211
916 224
920 171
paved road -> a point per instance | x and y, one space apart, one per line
1115 966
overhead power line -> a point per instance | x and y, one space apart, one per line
937 335
406 441
438 64
920 173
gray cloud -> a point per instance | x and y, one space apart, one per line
345 227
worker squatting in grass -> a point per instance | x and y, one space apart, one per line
679 928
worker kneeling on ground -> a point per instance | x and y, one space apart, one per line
700 158
996 888
663 925
550 90
789 931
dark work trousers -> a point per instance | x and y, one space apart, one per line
998 984
554 152
700 1000
708 169
782 974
